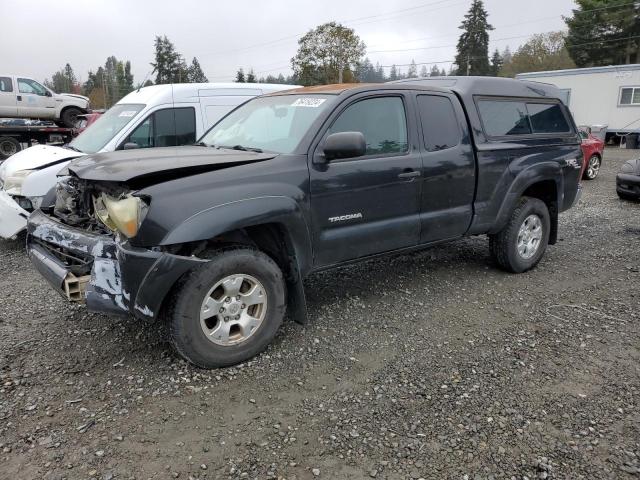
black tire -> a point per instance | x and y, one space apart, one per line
595 158
69 117
504 244
627 196
183 307
9 146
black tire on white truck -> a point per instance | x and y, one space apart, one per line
69 117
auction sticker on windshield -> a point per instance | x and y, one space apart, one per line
308 102
127 113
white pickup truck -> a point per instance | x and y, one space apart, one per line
23 97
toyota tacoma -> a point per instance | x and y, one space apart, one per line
217 238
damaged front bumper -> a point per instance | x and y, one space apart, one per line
108 275
13 218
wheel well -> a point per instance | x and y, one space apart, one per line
547 191
271 238
82 110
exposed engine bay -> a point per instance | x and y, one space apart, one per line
98 207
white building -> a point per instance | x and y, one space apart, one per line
599 95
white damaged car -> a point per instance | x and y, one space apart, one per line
155 116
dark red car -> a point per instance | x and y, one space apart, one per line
593 150
85 120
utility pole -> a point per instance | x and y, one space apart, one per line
104 91
340 59
468 65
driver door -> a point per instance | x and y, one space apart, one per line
33 101
371 204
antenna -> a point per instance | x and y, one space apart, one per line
145 78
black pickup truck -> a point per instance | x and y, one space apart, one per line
217 238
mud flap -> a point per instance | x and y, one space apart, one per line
297 301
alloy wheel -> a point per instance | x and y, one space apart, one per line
529 236
233 310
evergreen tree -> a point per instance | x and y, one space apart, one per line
365 72
443 73
424 72
604 36
413 70
380 76
251 77
506 55
128 77
195 74
63 81
121 84
435 71
393 74
496 63
240 76
473 46
168 64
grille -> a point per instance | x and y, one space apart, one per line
78 264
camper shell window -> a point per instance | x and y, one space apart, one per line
507 117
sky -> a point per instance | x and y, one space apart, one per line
38 37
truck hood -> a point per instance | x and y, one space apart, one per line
73 95
158 164
35 158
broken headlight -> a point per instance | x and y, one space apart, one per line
122 215
13 183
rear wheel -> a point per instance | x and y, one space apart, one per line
593 167
520 245
227 310
8 146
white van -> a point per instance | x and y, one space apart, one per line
155 116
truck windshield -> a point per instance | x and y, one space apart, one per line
272 123
106 127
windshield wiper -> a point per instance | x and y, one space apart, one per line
243 148
202 144
71 147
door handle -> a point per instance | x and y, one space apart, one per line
19 98
409 174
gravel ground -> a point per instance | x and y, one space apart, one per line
432 365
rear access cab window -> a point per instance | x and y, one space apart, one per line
503 117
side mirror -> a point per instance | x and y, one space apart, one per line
344 145
130 146
47 93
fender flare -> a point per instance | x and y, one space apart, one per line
252 212
547 171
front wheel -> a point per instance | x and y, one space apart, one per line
593 167
227 310
69 117
520 245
